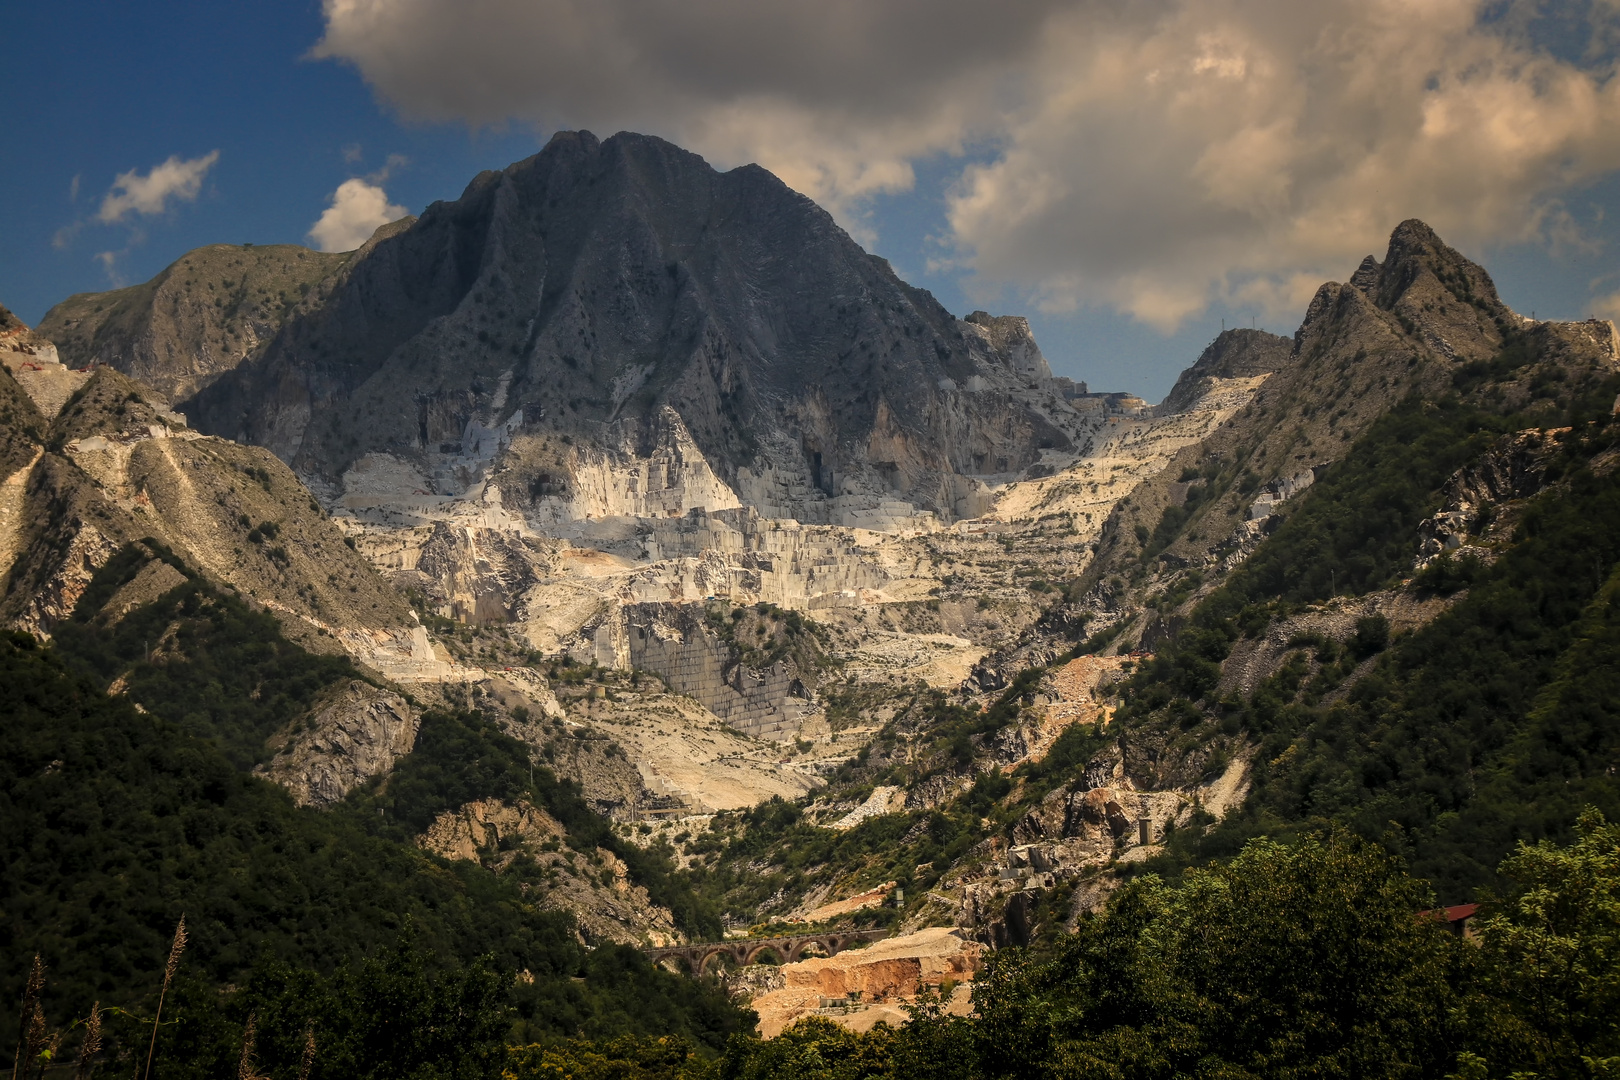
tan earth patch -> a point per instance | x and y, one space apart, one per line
850 987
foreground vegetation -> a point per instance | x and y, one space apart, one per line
1312 959
114 822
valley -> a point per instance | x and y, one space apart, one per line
576 542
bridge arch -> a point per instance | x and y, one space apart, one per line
701 958
782 954
698 956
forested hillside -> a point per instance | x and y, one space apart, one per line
1491 723
116 821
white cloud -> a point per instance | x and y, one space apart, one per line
1607 307
1151 156
150 194
836 97
395 161
358 209
1251 149
109 261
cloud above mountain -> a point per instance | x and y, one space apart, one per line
359 208
1150 156
176 179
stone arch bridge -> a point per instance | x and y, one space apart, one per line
697 957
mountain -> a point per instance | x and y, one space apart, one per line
201 715
1235 354
1397 327
118 819
116 466
1373 593
209 311
824 596
624 294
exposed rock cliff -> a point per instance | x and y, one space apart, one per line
858 989
118 467
594 886
1235 354
357 732
32 360
715 322
768 700
200 317
1406 323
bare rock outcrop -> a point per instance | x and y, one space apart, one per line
766 701
594 886
201 316
1235 354
32 360
118 467
355 733
1405 324
868 984
700 337
490 830
1514 469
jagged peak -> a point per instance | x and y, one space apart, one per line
1234 354
1012 341
572 140
18 333
1414 236
1366 276
1239 351
1415 249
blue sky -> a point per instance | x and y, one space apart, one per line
93 90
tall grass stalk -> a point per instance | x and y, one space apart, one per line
309 1053
91 1044
175 949
244 1070
31 1017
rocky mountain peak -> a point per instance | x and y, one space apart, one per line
205 313
1234 354
601 283
20 344
1013 343
1437 293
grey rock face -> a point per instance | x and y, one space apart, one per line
1406 323
1235 354
117 468
356 733
673 641
201 316
600 283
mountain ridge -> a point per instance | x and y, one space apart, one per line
597 283
602 414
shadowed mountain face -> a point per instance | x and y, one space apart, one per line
1235 354
1408 324
627 295
207 312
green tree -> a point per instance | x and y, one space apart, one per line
1554 954
1288 962
815 1048
626 1058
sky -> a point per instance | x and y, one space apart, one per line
1131 175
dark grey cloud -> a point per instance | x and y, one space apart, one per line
1149 155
